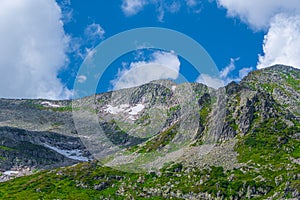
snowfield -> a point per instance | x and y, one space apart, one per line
74 154
174 88
10 173
125 109
47 103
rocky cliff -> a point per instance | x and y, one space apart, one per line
189 141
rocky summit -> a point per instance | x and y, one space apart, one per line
157 141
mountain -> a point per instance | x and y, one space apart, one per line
159 141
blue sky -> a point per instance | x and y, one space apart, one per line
45 42
222 37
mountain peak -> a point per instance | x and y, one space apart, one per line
208 139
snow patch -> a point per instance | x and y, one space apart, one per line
47 103
132 118
136 109
74 154
10 173
114 110
125 108
174 88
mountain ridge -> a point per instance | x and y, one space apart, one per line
159 127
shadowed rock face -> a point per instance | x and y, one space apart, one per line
22 148
42 133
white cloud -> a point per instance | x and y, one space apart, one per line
81 78
132 7
173 6
67 11
224 76
83 47
244 72
66 2
214 82
282 42
217 82
94 32
33 49
164 65
224 73
164 6
194 5
191 3
257 13
280 18
89 54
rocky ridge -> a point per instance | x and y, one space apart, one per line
160 123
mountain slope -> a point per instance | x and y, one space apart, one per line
184 141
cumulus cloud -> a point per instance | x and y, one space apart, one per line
259 13
281 21
163 65
282 42
33 49
224 76
214 82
